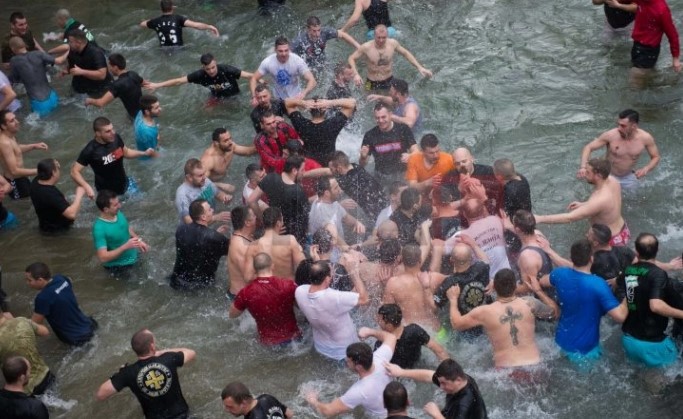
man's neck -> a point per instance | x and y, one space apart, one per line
364 373
457 269
49 182
264 274
16 387
245 233
288 179
585 269
605 247
149 119
108 217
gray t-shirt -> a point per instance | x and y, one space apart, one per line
30 69
286 75
187 193
15 104
313 51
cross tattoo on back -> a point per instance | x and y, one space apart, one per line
511 317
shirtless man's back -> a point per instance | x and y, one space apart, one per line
244 225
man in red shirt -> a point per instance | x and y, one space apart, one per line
270 300
271 141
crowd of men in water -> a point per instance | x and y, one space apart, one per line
432 240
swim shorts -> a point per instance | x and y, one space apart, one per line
371 85
21 187
628 182
8 222
44 107
643 56
618 18
650 354
390 31
584 362
622 237
526 374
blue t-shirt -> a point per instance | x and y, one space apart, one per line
584 299
57 303
145 136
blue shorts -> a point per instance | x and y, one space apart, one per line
390 31
44 107
650 354
9 221
628 182
584 362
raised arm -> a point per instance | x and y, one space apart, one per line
355 16
586 151
348 38
170 82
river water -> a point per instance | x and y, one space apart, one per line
526 80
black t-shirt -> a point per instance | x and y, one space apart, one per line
472 282
49 203
169 29
377 13
338 92
3 213
406 226
608 264
465 404
91 58
292 200
198 251
387 147
319 139
107 163
408 346
223 84
19 405
128 88
154 381
267 407
365 189
516 196
277 107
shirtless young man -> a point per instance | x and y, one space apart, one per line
625 144
602 207
243 225
379 55
283 249
509 322
12 158
217 158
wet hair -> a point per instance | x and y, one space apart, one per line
13 368
395 186
360 353
601 233
389 250
409 198
472 208
190 165
104 198
428 141
323 238
281 40
580 253
395 397
391 313
340 158
294 147
319 271
262 261
38 270
323 185
448 369
600 166
505 168
448 193
293 162
505 283
16 16
206 59
524 221
251 169
271 216
237 391
261 87
630 114
15 42
197 209
313 21
303 272
379 106
340 67
400 85
146 102
216 134
46 168
117 60
166 6
266 114
3 116
647 246
411 255
77 34
99 123
317 112
141 342
239 216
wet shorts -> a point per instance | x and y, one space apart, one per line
371 85
618 18
584 362
390 31
527 374
622 237
628 182
643 56
650 354
44 107
9 221
21 187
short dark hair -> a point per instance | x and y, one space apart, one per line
600 166
395 397
313 21
504 168
166 6
238 216
117 60
409 198
294 147
505 283
146 102
77 34
251 169
100 122
196 209
319 271
389 250
323 239
141 342
38 270
216 134
412 255
340 67
13 368
281 40
630 114
322 185
601 233
400 85
428 141
524 221
271 216
303 272
16 16
448 369
3 116
379 106
395 186
206 59
360 353
391 313
647 246
46 168
104 198
580 252
266 114
237 391
340 158
261 87
293 162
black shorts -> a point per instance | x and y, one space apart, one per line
371 85
21 187
618 18
643 56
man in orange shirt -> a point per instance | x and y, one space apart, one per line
426 168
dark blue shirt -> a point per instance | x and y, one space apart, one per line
58 304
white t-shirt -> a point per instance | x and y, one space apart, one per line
246 191
328 312
286 75
383 216
367 391
488 233
14 104
323 213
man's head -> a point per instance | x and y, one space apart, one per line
254 172
627 124
395 398
599 235
524 222
107 202
320 272
381 35
343 73
449 376
382 116
398 90
461 256
411 199
411 255
292 147
9 122
37 275
294 166
597 168
200 211
647 246
209 64
429 145
236 399
339 163
17 45
117 63
18 24
262 96
150 105
47 169
505 283
324 240
62 16
359 357
395 188
242 218
504 169
581 253
387 230
143 343
389 317
272 218
473 209
313 28
262 263
328 188
104 130
282 49
77 40
464 162
195 174
16 370
222 139
389 250
166 6
269 123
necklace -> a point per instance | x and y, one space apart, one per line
239 235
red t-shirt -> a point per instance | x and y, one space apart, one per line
271 302
653 20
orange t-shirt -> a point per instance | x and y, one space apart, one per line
417 170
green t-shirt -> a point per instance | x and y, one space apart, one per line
18 337
111 235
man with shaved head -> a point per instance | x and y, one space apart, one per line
14 402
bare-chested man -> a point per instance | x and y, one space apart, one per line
509 322
217 158
379 56
243 225
602 207
283 249
12 157
625 144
